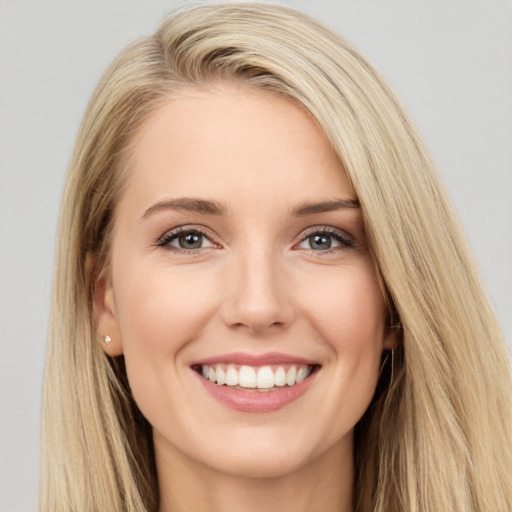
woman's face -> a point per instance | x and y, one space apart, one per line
239 255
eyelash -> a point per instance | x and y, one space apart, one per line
342 238
166 239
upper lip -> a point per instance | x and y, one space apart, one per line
243 358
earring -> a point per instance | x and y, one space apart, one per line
107 339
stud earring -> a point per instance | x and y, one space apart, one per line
107 339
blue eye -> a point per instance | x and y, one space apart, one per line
185 240
324 240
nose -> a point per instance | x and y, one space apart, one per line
257 297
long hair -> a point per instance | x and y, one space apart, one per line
437 435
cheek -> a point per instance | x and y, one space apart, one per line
159 306
160 310
358 336
348 311
349 308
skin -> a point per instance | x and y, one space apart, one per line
255 286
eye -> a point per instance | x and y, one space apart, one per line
325 240
185 240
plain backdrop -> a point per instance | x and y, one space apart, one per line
449 61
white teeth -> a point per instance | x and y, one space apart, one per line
231 376
263 378
221 376
290 376
280 377
301 374
247 377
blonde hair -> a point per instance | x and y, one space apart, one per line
437 435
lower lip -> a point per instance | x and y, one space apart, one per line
256 401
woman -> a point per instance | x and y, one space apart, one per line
262 299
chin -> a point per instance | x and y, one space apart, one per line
260 464
267 451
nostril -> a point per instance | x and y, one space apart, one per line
256 298
258 326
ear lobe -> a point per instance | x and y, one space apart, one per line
392 336
390 341
104 310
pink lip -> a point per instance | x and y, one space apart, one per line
241 358
255 401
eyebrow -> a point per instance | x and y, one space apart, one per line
208 207
189 204
326 206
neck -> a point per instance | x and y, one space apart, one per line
324 484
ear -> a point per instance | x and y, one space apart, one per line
104 309
391 337
393 331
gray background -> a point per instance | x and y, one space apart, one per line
450 62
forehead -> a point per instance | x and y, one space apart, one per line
233 141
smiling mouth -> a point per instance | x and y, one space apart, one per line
257 379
